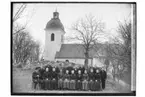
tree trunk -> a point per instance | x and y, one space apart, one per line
86 63
86 59
113 72
107 63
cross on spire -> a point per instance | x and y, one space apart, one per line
56 9
55 14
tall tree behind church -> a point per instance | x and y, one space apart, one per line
87 32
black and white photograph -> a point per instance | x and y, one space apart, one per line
73 48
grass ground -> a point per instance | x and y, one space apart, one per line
22 83
127 77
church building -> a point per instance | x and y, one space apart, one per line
56 50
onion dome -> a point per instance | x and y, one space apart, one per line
55 22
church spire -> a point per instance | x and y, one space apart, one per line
56 9
55 14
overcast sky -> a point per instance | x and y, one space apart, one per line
110 14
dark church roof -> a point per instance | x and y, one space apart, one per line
77 51
55 22
72 51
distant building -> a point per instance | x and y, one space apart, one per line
56 50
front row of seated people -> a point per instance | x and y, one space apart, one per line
54 78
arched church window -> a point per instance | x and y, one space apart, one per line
52 37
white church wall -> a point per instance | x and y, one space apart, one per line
51 47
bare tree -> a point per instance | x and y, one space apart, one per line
125 31
86 32
19 11
25 48
119 52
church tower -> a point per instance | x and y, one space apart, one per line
54 33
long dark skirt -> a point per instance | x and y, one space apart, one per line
72 84
60 84
79 85
97 85
54 84
47 84
66 84
85 85
103 84
91 85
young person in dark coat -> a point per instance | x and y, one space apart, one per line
54 79
47 79
85 80
66 80
76 71
91 79
41 71
98 84
83 70
72 80
60 79
79 81
57 70
35 78
103 78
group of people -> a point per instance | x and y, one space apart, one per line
69 78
